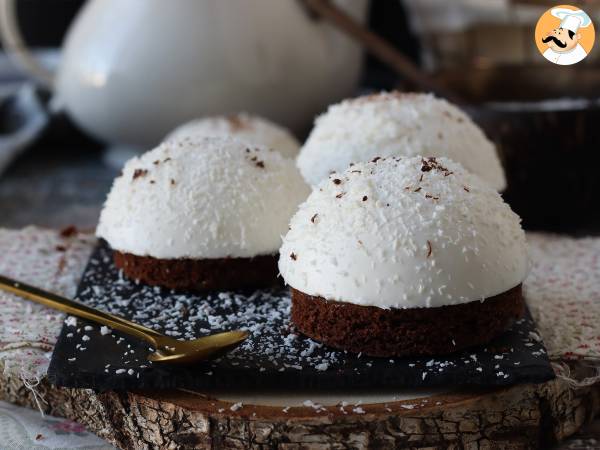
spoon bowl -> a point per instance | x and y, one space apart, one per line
188 352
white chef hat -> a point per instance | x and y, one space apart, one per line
571 19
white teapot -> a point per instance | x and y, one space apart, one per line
132 70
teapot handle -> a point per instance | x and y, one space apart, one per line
17 50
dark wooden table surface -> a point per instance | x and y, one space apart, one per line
54 185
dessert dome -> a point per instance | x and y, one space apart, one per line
202 198
404 232
253 130
397 124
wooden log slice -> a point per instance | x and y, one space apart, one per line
520 417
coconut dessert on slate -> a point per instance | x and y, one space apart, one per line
202 213
252 129
397 124
404 256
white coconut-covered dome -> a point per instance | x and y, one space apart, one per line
404 233
202 198
253 130
397 124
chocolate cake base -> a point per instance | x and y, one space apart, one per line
200 274
405 332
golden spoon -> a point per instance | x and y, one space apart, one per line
168 350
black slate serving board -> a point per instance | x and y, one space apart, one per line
274 356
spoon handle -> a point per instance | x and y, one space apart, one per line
77 309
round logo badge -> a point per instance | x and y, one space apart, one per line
564 35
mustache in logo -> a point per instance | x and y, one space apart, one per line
555 40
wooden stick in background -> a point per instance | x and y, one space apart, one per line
378 47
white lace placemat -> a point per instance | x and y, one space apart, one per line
563 293
52 260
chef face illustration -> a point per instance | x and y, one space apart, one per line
562 42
